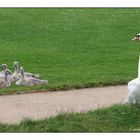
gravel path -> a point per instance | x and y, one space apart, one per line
13 108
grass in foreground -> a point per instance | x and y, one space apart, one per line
71 48
118 118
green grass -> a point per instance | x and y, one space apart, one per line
118 118
71 48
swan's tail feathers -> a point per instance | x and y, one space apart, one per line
44 82
36 75
139 68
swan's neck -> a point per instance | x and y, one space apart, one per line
3 71
16 69
22 75
6 77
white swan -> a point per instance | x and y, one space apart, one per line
4 82
133 96
17 74
29 81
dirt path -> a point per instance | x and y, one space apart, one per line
13 108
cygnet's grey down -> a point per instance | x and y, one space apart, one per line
14 77
29 81
3 67
4 82
18 75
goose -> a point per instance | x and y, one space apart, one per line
18 75
29 81
4 82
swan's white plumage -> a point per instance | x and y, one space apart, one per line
133 96
139 68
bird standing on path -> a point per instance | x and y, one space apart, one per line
133 96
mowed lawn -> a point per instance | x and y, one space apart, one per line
118 118
71 48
